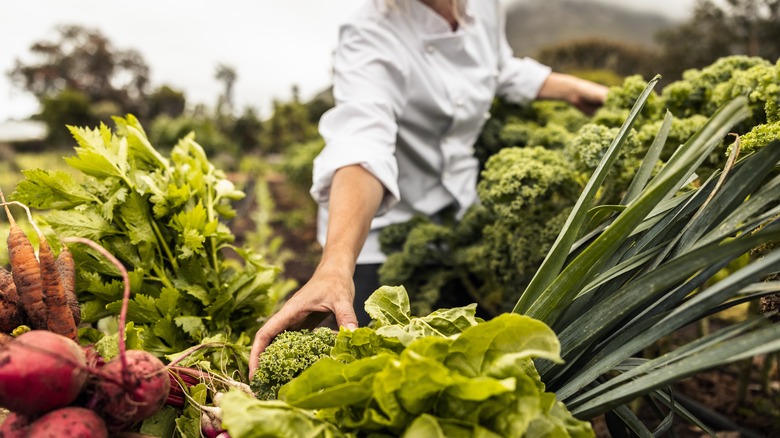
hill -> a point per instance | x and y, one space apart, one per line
535 24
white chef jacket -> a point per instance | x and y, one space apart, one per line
411 98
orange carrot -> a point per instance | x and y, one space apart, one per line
10 317
67 270
58 315
26 272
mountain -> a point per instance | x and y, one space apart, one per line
534 24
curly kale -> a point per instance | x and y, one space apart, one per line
542 123
620 100
535 161
419 263
759 137
289 354
520 183
703 91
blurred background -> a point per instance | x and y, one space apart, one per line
81 61
271 46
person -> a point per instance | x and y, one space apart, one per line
414 81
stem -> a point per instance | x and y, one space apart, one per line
210 217
161 277
164 245
26 208
125 297
213 377
192 350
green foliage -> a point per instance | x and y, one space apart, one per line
759 137
166 101
412 376
166 132
720 29
287 356
247 417
68 107
531 181
290 124
543 123
536 160
298 162
444 371
702 91
85 61
162 217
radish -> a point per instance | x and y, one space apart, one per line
41 371
72 421
14 426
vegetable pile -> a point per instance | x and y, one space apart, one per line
37 292
48 381
164 217
444 374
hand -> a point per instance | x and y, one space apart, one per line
587 96
326 292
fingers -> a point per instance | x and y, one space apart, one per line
345 315
277 324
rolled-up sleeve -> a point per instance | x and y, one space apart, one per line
361 129
519 79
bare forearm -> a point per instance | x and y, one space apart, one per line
355 197
584 94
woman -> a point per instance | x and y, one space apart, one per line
414 81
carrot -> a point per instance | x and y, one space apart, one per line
67 270
58 315
26 272
9 303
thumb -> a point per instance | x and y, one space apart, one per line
345 315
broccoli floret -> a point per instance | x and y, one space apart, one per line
289 355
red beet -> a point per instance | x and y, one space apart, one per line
14 426
143 390
40 371
72 421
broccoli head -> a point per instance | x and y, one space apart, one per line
289 355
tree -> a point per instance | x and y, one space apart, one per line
166 101
290 124
84 60
591 54
228 76
247 129
69 107
746 27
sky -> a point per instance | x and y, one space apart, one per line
272 45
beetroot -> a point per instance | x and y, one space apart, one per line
72 421
143 390
14 426
40 371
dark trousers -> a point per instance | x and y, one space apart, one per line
366 280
